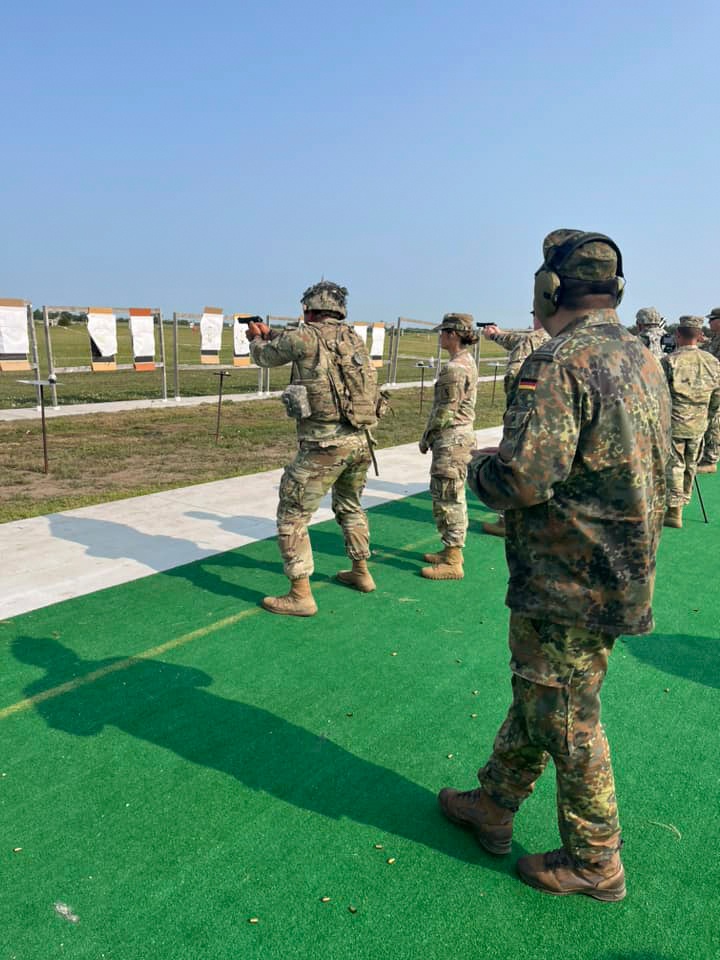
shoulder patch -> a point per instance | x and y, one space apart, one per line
547 350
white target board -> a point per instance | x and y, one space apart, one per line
241 344
377 344
211 324
361 330
14 339
102 328
142 334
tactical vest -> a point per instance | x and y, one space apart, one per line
344 381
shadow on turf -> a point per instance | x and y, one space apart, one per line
328 542
167 705
643 955
693 658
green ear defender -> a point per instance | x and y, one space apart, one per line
547 293
548 283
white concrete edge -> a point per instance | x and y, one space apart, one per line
65 555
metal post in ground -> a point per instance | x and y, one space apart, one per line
221 374
49 354
35 360
702 505
175 355
162 355
492 401
40 385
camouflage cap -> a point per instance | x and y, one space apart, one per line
326 296
649 317
459 322
692 323
714 314
594 260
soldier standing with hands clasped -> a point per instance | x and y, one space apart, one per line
450 434
693 376
333 396
580 474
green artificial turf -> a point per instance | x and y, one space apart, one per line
218 764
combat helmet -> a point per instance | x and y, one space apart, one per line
326 297
649 317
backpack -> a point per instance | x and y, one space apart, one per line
352 376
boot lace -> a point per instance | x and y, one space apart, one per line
471 795
558 858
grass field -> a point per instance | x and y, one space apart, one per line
102 457
177 763
71 348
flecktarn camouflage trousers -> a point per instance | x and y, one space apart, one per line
305 482
557 673
681 470
450 458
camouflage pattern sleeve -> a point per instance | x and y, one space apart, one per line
289 347
448 394
714 404
508 341
541 427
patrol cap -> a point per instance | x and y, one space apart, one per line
459 322
714 314
649 317
594 260
692 323
325 295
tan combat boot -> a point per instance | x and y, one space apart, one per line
560 873
707 468
435 557
451 567
496 529
491 824
299 602
673 517
359 577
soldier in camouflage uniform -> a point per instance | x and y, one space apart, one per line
693 376
519 347
580 474
711 448
651 327
332 453
450 434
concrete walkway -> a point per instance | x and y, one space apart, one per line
65 555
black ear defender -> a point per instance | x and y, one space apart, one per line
548 283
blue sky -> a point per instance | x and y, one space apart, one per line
184 154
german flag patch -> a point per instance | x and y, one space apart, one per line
527 384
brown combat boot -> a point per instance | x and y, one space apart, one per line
299 602
451 567
707 468
359 577
491 824
673 517
496 529
559 873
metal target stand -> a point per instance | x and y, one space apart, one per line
179 317
87 368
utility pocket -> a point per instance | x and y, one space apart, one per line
514 423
